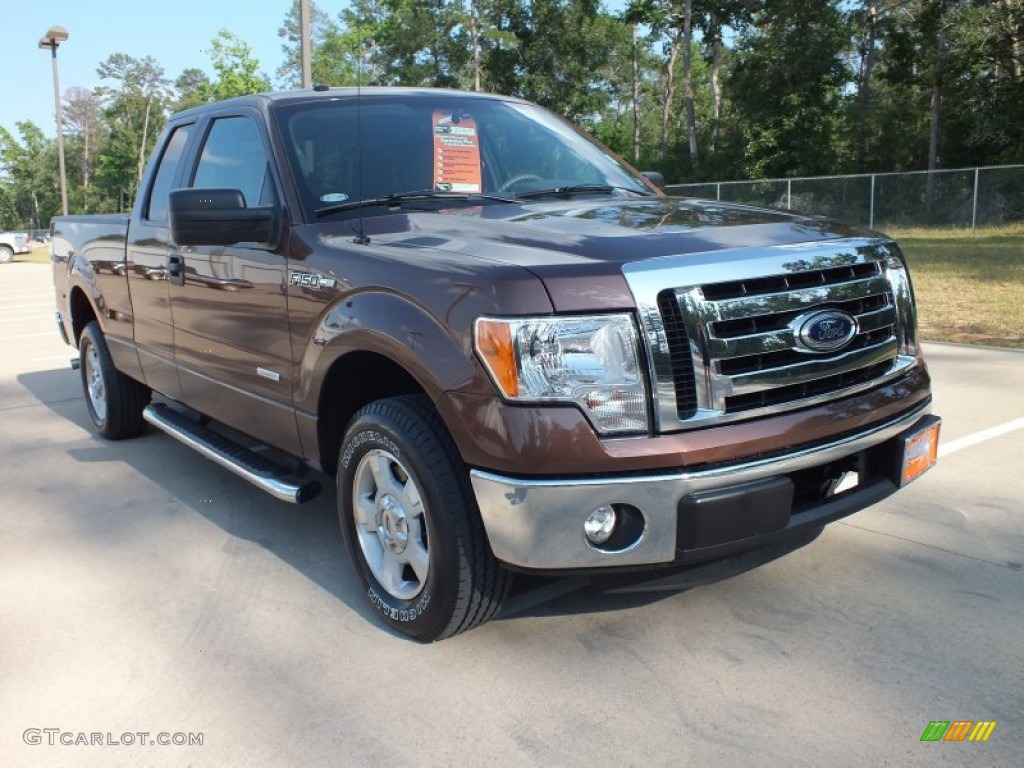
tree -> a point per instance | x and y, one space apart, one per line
984 76
714 19
193 88
665 18
787 85
135 112
553 52
410 42
83 116
237 71
333 51
9 218
31 166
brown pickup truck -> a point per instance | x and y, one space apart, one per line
510 349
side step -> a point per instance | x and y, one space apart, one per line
258 470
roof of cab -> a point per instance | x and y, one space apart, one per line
310 94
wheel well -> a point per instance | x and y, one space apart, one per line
81 313
353 381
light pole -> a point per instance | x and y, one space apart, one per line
52 39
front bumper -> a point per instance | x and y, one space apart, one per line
537 524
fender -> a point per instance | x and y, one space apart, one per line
113 313
81 275
406 333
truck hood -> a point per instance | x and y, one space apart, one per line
578 247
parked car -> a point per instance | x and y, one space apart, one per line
510 350
12 244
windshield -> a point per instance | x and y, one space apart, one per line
439 142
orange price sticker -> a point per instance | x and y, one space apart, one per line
456 153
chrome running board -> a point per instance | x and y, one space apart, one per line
265 474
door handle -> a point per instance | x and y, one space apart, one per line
176 269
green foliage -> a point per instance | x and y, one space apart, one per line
9 218
237 71
193 88
85 132
136 98
29 164
787 81
334 50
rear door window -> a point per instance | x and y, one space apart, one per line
166 173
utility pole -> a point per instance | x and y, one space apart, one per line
306 45
636 99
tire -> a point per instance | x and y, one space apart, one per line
411 523
115 401
6 254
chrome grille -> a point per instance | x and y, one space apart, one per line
724 344
679 355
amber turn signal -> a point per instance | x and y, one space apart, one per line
494 344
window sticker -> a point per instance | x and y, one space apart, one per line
456 153
334 197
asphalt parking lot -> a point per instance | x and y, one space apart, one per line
144 589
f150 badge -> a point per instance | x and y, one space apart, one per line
311 279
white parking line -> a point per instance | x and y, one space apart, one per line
980 437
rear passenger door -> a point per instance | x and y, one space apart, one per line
148 249
231 338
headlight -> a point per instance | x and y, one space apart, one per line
903 295
590 360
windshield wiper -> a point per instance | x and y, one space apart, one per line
580 189
397 199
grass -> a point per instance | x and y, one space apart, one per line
40 254
969 285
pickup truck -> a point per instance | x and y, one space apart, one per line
12 243
510 350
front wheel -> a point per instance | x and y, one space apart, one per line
411 524
115 401
6 254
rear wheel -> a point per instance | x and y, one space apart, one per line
115 401
6 254
411 524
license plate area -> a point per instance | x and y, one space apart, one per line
919 449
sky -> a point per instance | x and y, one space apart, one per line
174 32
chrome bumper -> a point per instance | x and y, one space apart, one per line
538 523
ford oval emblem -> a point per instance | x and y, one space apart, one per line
825 331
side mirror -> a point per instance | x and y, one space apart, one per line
654 176
220 217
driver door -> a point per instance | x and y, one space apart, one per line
231 338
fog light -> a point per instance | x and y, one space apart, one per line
600 525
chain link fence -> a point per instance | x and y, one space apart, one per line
966 198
